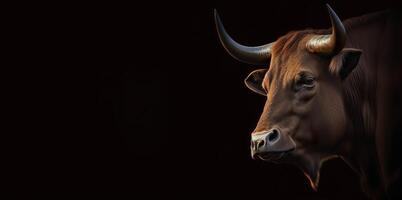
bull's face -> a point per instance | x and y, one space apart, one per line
304 120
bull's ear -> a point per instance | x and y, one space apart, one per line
345 61
254 81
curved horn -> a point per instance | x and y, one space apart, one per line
329 44
251 55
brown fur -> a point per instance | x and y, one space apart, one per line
339 117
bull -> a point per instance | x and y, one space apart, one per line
332 93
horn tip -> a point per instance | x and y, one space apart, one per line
329 7
332 13
216 16
334 17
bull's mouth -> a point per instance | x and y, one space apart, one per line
273 156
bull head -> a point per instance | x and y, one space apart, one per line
303 85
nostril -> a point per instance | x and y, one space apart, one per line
260 143
273 136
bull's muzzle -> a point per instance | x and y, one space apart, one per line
271 145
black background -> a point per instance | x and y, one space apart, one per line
143 98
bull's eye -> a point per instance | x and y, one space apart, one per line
304 80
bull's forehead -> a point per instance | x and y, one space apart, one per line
290 57
284 69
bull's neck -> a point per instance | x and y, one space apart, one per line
361 112
360 103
